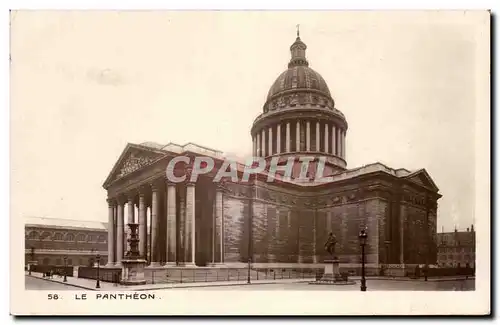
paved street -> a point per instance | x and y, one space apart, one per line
40 284
373 285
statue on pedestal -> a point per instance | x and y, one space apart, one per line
330 244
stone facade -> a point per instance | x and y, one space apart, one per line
457 248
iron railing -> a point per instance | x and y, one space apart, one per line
226 274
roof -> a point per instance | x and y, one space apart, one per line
64 223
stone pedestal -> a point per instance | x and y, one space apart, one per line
133 272
332 271
332 274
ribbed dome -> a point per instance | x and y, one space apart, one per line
299 77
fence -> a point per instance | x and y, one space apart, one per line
54 269
441 272
112 275
179 275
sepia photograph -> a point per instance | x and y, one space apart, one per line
220 162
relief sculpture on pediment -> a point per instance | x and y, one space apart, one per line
133 163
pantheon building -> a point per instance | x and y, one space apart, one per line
281 223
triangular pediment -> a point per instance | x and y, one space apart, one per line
133 158
422 178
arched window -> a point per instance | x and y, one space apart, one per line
90 238
46 235
102 239
58 236
33 235
69 262
70 237
80 237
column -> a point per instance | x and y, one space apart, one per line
343 144
326 138
263 139
190 223
171 225
182 223
270 140
131 212
143 230
119 235
297 136
154 225
254 148
308 136
257 145
111 233
334 144
318 142
219 226
339 144
278 138
288 137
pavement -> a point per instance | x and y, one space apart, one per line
378 283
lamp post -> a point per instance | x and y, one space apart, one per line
65 278
98 259
248 276
362 241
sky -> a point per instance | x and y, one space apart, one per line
84 84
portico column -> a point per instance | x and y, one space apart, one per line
334 144
131 212
263 140
121 231
154 224
143 231
270 140
190 223
326 138
171 224
278 138
288 137
111 233
308 136
318 142
297 136
257 145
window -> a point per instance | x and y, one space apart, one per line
46 235
70 262
70 237
58 236
80 237
90 238
58 261
33 235
102 239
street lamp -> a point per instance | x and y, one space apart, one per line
362 241
65 265
98 259
248 277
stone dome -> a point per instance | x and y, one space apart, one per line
298 78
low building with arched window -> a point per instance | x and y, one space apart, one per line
49 240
